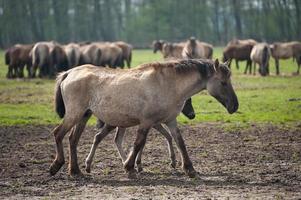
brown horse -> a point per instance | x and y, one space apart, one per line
173 50
90 54
158 45
239 52
285 51
73 54
111 54
187 110
49 58
196 49
126 52
17 57
260 54
153 95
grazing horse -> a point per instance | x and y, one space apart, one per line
187 110
126 52
16 58
90 54
196 49
173 50
285 51
247 42
111 54
73 54
155 93
239 52
49 57
260 54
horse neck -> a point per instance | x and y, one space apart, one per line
189 84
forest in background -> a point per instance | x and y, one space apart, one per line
139 22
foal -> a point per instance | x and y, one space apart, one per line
187 110
154 93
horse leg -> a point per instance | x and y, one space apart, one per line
73 142
59 133
138 144
246 69
9 72
237 66
21 72
168 138
277 66
250 66
254 69
118 142
186 162
97 139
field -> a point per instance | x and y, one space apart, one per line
254 153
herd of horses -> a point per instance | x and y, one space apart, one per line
155 92
247 50
51 57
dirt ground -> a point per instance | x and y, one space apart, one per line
260 162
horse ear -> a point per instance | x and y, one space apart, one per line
227 63
216 63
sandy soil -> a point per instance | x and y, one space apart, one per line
262 162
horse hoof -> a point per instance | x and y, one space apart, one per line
173 164
139 169
132 174
88 169
76 174
190 172
55 167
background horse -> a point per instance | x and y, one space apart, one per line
153 96
285 51
261 54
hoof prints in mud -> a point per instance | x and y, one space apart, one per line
256 162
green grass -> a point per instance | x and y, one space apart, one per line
262 99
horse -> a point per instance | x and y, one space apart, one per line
285 51
196 49
90 54
157 45
155 93
187 110
49 57
126 52
247 42
239 52
260 54
17 57
111 54
172 50
73 54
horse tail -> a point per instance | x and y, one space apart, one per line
72 59
7 57
265 56
129 59
58 98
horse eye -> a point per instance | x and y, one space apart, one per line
224 83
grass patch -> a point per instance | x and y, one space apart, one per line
273 99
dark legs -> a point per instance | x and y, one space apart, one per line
186 163
97 139
138 144
277 66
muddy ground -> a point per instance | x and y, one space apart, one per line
262 162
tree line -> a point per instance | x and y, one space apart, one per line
139 22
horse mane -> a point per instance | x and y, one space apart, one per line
183 66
